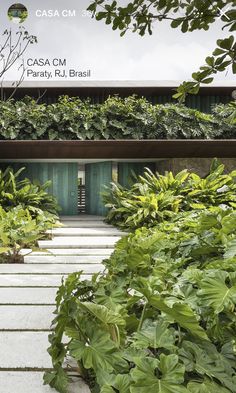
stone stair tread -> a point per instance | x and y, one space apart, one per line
26 317
86 232
27 298
79 241
27 295
32 382
82 217
52 268
75 251
34 280
85 224
65 259
24 350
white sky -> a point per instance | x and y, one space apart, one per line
87 44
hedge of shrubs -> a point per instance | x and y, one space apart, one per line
116 118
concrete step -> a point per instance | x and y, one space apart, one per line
81 217
24 350
27 295
26 317
54 268
32 382
86 232
65 259
80 242
30 280
75 251
85 224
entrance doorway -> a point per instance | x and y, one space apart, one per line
78 186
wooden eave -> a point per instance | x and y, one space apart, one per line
116 149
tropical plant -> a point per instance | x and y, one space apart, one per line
116 118
27 214
18 230
161 318
228 112
31 196
154 198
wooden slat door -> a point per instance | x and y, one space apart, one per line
97 175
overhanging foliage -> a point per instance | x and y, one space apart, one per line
116 118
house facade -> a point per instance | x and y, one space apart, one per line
79 170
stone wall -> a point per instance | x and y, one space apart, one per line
198 165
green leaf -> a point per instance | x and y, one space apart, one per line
182 314
3 250
122 383
216 294
207 386
171 375
226 43
185 26
230 249
207 362
156 335
102 313
98 352
57 379
107 389
207 80
176 23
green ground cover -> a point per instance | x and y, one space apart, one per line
116 118
27 211
162 317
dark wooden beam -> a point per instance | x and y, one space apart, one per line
120 149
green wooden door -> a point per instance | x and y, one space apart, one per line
64 178
125 169
96 176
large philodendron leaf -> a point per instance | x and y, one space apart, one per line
120 383
156 335
154 376
104 314
216 293
207 386
230 249
208 362
180 313
98 352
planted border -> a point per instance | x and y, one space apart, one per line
116 118
161 319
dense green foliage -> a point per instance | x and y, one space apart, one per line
154 197
116 118
19 230
27 212
33 196
162 317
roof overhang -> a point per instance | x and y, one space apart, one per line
43 84
116 149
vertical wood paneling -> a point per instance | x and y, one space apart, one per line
64 178
97 175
